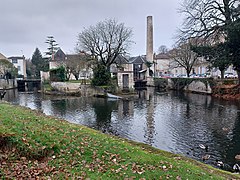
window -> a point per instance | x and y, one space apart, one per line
15 61
19 68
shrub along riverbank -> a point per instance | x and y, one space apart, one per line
34 145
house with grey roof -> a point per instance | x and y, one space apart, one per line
57 60
62 59
123 70
139 67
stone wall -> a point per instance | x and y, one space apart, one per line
8 84
196 86
199 87
45 76
77 88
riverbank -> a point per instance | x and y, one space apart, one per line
34 145
227 92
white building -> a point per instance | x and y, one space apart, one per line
20 63
161 64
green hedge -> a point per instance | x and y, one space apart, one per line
58 74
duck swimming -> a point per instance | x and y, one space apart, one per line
205 157
236 168
203 147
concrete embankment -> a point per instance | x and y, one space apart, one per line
190 85
203 86
68 88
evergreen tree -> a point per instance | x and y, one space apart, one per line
39 62
217 55
101 76
53 46
233 44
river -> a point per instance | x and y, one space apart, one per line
172 121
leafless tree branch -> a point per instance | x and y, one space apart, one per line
106 40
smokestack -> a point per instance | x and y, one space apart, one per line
149 53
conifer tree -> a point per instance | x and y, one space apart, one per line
39 62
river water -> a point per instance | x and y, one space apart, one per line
172 121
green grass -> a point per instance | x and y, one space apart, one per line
34 145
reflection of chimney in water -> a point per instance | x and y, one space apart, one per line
150 122
149 53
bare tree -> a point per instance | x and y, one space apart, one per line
106 40
162 49
77 63
212 21
208 18
184 57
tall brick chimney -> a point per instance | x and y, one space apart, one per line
149 50
149 53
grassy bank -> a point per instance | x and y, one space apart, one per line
34 145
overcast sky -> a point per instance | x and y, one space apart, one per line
25 24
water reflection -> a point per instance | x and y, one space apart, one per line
175 122
11 95
150 122
103 114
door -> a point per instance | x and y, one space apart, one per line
125 81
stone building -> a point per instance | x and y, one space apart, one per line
161 64
123 70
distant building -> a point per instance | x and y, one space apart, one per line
61 59
58 59
20 63
139 67
161 64
2 58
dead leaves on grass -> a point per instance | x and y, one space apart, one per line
77 150
86 157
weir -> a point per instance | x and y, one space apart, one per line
28 84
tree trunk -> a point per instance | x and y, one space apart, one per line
188 72
238 73
222 74
108 68
76 76
67 76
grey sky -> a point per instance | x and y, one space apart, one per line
25 24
